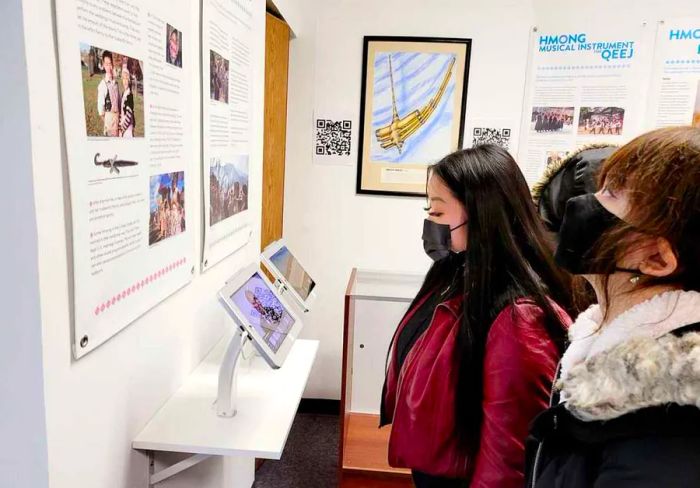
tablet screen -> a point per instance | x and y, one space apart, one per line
295 275
263 310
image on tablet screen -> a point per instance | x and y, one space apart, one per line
264 311
293 272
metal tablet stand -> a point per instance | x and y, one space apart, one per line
228 374
228 378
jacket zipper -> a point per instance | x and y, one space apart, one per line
537 461
392 358
555 421
408 363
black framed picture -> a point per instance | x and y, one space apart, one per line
413 99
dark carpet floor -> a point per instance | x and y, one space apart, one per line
310 458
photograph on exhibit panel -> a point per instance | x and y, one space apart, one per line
601 120
218 77
166 206
228 188
555 158
552 120
112 93
173 46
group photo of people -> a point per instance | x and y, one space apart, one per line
167 206
218 77
552 119
228 189
601 120
113 93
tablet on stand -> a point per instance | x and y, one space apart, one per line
290 276
261 315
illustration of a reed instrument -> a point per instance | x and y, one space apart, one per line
401 128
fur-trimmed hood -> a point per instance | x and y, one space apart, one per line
633 362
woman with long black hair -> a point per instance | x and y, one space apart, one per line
472 361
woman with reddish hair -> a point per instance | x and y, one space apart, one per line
626 409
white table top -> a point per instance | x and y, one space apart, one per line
267 403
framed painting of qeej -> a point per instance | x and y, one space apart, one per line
413 99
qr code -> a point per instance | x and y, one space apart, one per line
333 137
489 135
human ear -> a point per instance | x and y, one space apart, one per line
661 260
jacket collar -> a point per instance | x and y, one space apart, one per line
652 319
640 373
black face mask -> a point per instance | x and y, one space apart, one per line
437 239
585 221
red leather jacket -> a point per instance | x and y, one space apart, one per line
519 367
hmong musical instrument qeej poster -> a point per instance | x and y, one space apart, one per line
675 84
586 84
412 110
126 75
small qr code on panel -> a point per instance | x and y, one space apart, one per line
333 137
489 135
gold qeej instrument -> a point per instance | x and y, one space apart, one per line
401 128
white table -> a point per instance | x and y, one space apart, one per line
267 404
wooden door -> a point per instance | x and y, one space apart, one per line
275 136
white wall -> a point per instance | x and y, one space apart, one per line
95 406
330 227
611 11
23 450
